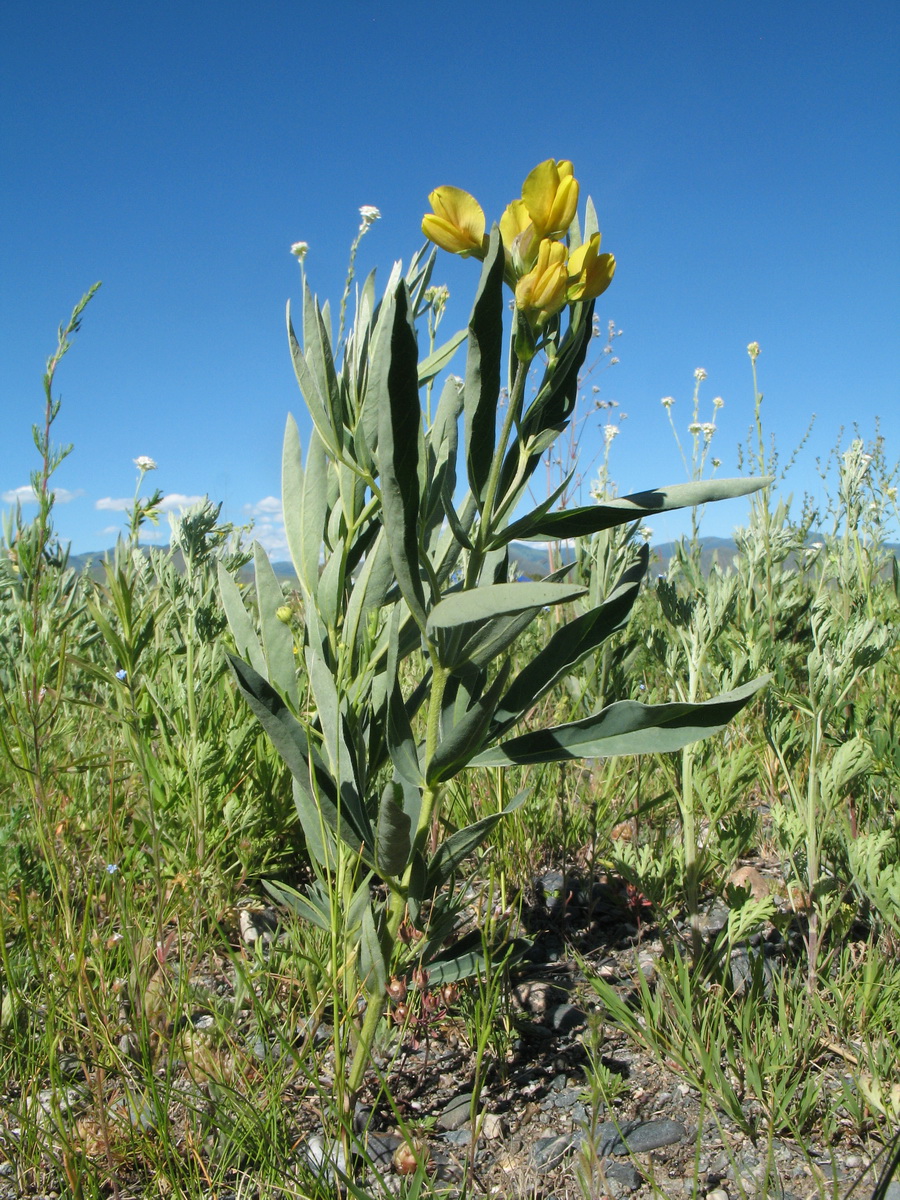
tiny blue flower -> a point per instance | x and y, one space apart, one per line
111 868
121 675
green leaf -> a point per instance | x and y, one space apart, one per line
277 639
400 447
438 359
239 621
309 386
462 740
460 845
314 513
468 957
482 603
624 728
373 968
570 645
483 364
292 492
393 833
580 522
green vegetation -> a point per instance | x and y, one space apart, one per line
391 754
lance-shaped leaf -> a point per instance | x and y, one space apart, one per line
393 838
481 644
460 845
400 447
569 646
316 791
314 512
239 621
483 363
292 492
467 957
436 361
482 603
316 403
373 957
463 740
320 360
277 639
624 728
580 522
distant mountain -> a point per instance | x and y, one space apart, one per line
531 558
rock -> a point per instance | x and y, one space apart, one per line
753 881
566 1018
717 1194
456 1112
492 1127
637 1137
625 1174
381 1148
547 1151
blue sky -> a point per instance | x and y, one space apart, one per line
742 158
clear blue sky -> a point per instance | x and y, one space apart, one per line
743 160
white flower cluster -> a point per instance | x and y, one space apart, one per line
300 250
144 463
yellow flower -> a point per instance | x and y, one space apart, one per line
542 292
550 194
457 223
590 273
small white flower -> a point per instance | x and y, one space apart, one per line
891 493
613 361
718 402
695 427
144 463
753 350
667 401
369 213
707 428
610 432
300 250
646 532
716 463
700 375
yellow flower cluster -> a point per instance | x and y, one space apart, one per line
539 267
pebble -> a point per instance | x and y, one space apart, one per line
457 1112
717 1194
637 1137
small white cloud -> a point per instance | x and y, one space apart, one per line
177 502
26 495
268 526
108 504
268 505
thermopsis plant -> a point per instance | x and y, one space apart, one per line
409 611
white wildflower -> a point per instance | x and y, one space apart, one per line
645 532
667 401
707 428
369 213
753 350
700 374
300 250
144 463
718 402
610 433
694 428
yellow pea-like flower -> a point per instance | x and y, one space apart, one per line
542 292
457 223
550 194
589 273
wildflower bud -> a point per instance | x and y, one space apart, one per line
753 350
400 1013
449 993
284 613
420 978
396 989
